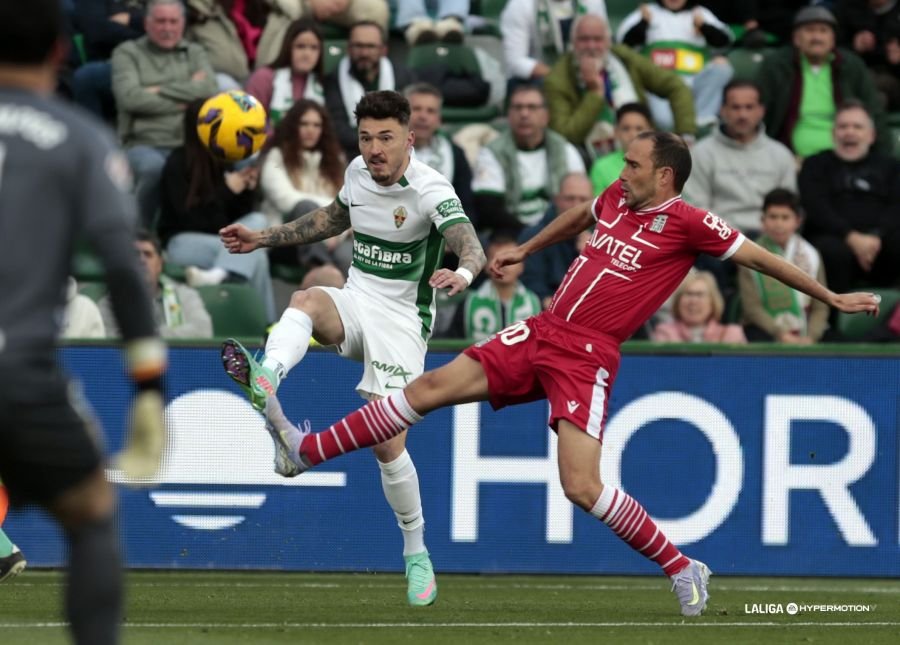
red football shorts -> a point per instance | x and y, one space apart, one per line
546 357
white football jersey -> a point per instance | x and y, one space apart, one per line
397 241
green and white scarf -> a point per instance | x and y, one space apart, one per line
787 306
485 314
173 312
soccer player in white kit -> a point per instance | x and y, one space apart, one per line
401 212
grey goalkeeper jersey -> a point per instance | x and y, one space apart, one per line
62 179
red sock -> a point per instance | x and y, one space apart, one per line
4 503
374 423
628 519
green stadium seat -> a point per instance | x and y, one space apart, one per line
290 273
93 290
334 51
854 327
235 309
490 11
86 266
459 59
746 62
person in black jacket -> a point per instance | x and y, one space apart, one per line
199 196
851 196
103 24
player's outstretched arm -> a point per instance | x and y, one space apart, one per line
315 226
463 241
753 256
566 226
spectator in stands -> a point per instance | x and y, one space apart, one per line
771 310
738 164
631 120
81 318
519 172
103 24
178 309
851 196
762 21
419 28
344 13
697 307
677 35
303 169
803 84
366 67
229 31
435 148
536 33
585 87
153 78
295 74
872 30
545 269
498 302
199 197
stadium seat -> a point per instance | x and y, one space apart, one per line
334 51
290 273
86 266
854 327
746 62
93 290
489 11
235 309
459 60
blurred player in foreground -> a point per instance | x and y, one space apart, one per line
61 180
646 240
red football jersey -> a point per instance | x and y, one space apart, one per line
635 260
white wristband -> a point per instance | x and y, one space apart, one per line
466 275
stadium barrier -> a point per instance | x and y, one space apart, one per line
757 464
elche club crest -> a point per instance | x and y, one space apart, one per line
399 216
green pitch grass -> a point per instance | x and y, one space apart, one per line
221 607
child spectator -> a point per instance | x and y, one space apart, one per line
677 35
697 307
773 311
498 302
296 73
631 120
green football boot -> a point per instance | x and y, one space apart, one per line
421 587
258 382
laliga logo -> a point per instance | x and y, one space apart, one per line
217 439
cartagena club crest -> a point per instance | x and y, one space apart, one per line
399 216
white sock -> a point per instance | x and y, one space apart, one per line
401 489
288 341
603 504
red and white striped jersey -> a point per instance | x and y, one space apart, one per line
635 260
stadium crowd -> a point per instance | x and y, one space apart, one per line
793 149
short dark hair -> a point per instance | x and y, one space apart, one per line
423 88
502 236
383 104
525 87
143 235
29 31
853 104
741 84
783 197
367 23
670 151
634 108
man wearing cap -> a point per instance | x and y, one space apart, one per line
804 83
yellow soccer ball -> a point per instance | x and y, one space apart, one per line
232 125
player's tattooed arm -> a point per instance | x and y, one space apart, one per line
462 240
314 226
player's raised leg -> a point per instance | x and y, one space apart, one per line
311 312
579 471
461 381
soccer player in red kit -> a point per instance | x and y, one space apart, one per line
646 239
